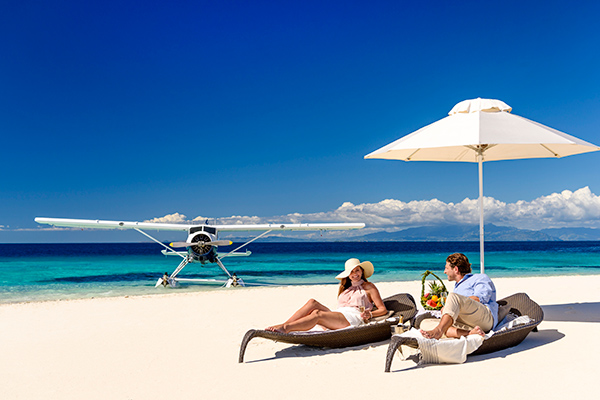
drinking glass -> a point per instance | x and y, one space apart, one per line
362 307
443 296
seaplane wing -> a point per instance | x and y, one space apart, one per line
103 224
201 240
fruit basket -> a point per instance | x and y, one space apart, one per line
435 297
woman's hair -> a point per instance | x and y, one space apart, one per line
460 261
345 283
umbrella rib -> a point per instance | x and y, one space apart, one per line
412 154
480 148
546 147
459 137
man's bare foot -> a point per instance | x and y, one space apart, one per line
275 328
477 331
435 333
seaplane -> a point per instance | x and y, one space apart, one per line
201 243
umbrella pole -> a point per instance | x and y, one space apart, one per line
481 234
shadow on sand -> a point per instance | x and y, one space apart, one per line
532 341
301 350
572 312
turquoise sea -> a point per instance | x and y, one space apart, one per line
36 272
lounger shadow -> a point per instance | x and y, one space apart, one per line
520 304
402 304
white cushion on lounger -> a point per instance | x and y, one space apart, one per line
512 320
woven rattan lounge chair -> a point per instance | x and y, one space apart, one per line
401 305
519 304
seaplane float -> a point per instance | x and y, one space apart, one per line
201 243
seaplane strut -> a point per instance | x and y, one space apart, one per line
201 243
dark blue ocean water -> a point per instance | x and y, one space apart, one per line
33 272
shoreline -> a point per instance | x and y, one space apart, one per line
84 271
186 345
188 289
384 288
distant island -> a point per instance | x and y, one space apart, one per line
463 233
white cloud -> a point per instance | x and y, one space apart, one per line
580 208
170 218
565 209
233 220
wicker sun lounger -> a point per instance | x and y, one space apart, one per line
401 305
519 304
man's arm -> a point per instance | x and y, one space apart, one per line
483 290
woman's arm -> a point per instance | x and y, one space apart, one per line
373 292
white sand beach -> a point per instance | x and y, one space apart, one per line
186 346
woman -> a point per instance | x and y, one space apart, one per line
356 298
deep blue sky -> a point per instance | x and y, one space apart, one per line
134 110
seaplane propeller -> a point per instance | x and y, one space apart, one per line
202 246
201 243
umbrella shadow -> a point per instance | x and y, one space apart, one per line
302 350
572 312
534 340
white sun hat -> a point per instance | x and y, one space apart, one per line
352 263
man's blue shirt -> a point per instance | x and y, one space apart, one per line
479 285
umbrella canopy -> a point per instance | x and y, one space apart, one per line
481 130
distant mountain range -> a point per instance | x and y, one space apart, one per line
573 233
465 233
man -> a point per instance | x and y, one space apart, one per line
471 308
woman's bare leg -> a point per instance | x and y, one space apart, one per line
328 319
305 310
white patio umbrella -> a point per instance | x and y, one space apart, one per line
481 130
